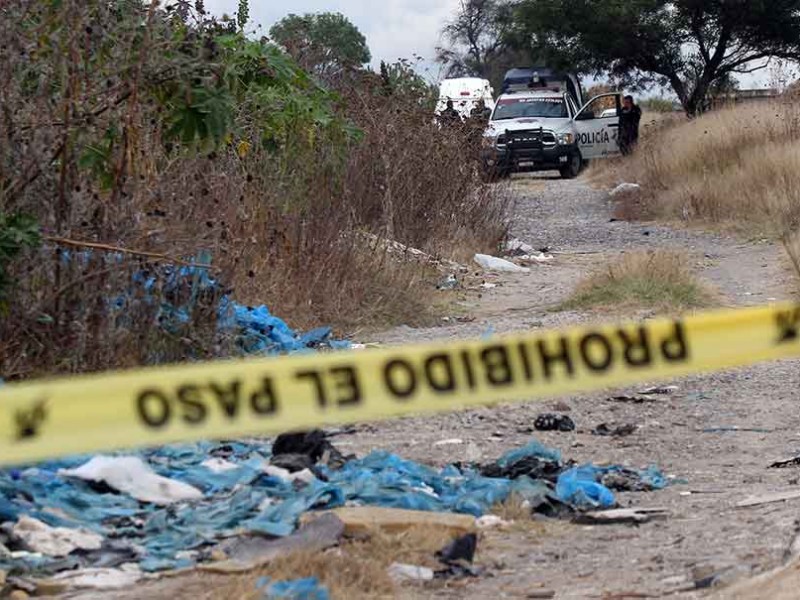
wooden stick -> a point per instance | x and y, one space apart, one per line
108 248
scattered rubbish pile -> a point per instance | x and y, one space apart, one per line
108 519
407 253
179 291
525 252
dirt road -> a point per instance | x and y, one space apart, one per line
691 434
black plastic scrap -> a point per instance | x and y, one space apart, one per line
460 549
553 422
637 399
789 462
458 556
303 450
534 467
605 429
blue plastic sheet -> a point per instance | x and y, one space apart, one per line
534 449
296 589
255 329
245 498
581 487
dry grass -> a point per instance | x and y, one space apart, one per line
356 569
513 509
657 280
277 218
736 169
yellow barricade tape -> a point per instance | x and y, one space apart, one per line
229 399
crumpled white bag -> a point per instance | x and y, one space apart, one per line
54 541
492 263
131 475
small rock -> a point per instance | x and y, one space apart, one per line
18 595
402 572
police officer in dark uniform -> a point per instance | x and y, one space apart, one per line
449 115
480 112
629 118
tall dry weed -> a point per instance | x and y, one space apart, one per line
88 109
737 168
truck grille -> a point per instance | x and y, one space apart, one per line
534 138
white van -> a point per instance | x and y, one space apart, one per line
465 93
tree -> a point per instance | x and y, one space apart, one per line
478 41
324 44
690 45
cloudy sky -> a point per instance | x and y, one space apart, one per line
393 28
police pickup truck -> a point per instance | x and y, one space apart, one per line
539 123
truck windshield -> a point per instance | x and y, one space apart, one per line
516 108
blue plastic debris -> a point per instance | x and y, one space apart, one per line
534 449
240 496
296 589
581 486
255 329
578 487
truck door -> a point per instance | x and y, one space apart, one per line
597 126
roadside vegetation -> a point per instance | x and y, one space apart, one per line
658 280
142 137
736 169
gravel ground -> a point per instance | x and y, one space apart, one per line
705 534
689 434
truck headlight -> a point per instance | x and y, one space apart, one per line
567 139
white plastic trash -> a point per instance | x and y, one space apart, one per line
401 572
492 263
625 187
131 475
490 522
515 247
54 541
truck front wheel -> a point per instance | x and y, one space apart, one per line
573 169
